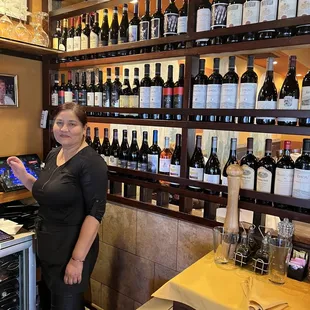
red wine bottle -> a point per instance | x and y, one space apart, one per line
250 16
104 34
168 92
153 154
133 152
134 98
54 92
76 88
56 36
85 34
234 18
106 92
83 91
145 91
178 93
64 35
88 139
123 151
145 23
175 166
106 147
171 19
91 91
133 29
70 37
69 88
143 154
61 90
183 18
94 33
115 150
157 91
305 99
157 22
219 13
203 21
115 92
125 93
96 145
124 25
113 34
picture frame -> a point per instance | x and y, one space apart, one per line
8 90
13 12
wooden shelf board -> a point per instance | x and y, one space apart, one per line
16 195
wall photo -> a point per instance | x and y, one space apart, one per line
8 90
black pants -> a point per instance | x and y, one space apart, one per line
51 301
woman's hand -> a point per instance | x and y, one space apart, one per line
73 273
18 167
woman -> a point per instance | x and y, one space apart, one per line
71 191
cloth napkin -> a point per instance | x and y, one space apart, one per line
261 298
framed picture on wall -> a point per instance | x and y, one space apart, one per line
8 90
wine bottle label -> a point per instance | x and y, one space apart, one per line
203 20
283 182
70 44
82 97
107 159
175 171
68 96
248 177
303 7
145 96
211 178
266 105
115 100
168 97
106 100
247 98
305 98
199 96
264 180
152 163
142 167
224 181
178 93
90 99
268 10
301 184
287 103
287 9
113 161
229 96
134 101
55 43
155 28
62 47
156 96
94 40
132 165
98 99
77 43
133 33
75 96
170 23
182 24
54 99
164 165
122 163
214 96
195 174
144 30
250 12
61 97
234 15
84 41
124 101
219 14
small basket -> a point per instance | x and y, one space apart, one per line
240 259
259 266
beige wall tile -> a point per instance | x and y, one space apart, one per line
119 227
194 241
157 238
112 300
96 292
162 275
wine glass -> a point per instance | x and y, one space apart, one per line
6 25
21 32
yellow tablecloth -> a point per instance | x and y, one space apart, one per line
208 286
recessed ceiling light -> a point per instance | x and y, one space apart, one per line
275 62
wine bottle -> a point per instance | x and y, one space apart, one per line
123 27
305 99
94 33
248 91
214 90
54 92
113 34
123 153
115 92
171 15
99 93
157 91
199 91
268 12
301 183
203 20
153 154
106 92
115 150
196 165
88 137
168 92
157 22
212 171
248 164
76 88
175 165
250 16
64 35
143 154
234 18
284 175
289 94
145 27
106 147
286 10
83 91
303 10
182 19
133 152
96 145
133 30
125 93
165 159
85 34
178 93
91 91
69 88
70 37
266 172
267 96
219 14
145 91
77 35
229 91
134 97
104 34
232 159
56 36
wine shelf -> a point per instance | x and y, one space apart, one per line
16 195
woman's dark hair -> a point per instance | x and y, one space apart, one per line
77 109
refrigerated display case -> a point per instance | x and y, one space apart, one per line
18 273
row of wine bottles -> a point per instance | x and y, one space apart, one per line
172 22
285 177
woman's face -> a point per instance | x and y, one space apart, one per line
68 130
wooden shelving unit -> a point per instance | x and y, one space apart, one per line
12 196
